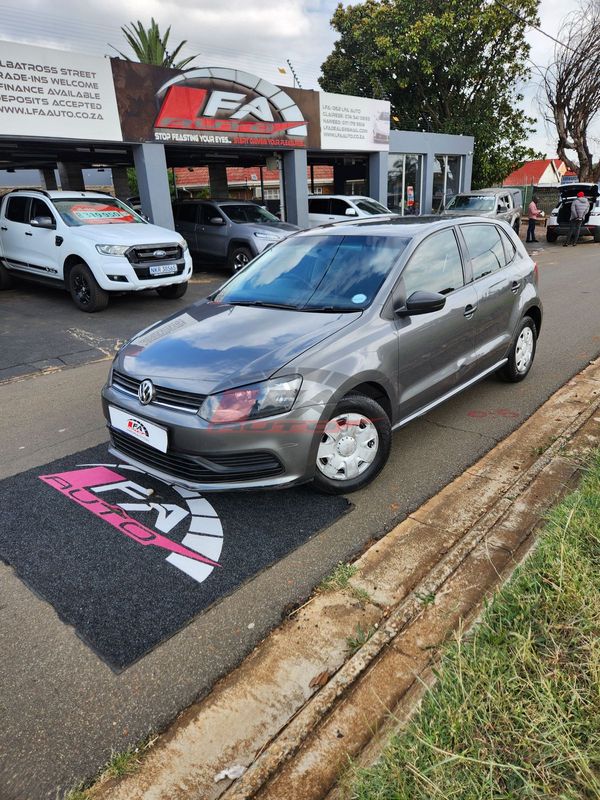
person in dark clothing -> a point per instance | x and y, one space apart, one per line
579 209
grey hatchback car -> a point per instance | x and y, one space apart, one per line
228 231
301 366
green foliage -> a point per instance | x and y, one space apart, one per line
516 709
450 67
150 47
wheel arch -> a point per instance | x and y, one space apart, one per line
376 391
535 312
69 263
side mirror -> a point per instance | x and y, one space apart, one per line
43 222
217 221
351 212
421 303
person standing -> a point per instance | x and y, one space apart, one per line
533 213
579 208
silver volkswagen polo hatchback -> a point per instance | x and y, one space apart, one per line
300 366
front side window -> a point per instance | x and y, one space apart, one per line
39 209
95 211
485 248
248 213
316 273
435 266
371 206
339 207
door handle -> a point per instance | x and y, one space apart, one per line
28 233
3 228
515 286
469 311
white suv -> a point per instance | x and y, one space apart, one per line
325 208
89 243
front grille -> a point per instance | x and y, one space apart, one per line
145 255
188 401
221 468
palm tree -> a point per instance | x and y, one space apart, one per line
150 47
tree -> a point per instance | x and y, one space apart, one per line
571 89
450 67
150 47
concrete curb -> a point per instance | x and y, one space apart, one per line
300 704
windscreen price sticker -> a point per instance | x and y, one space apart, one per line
93 214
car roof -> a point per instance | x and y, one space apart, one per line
340 197
57 194
478 192
393 225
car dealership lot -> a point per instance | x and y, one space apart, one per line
88 710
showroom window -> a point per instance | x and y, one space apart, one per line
446 180
405 175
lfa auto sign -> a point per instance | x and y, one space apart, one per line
226 106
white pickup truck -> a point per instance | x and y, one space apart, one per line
89 243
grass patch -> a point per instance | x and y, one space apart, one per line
361 637
515 712
339 578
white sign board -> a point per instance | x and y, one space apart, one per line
354 123
56 94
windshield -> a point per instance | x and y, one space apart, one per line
316 273
371 206
95 211
468 202
248 213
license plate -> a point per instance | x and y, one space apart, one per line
163 269
139 428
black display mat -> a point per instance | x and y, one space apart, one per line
98 551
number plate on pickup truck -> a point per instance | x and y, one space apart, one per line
163 269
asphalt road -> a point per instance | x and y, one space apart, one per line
62 710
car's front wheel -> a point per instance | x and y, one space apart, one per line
173 292
239 257
85 292
5 278
354 447
522 352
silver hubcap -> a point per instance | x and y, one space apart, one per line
348 447
240 260
524 350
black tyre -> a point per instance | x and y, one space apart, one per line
174 291
238 258
597 235
522 352
551 236
85 292
6 280
354 447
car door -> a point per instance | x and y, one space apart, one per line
186 216
43 252
212 237
15 223
318 211
497 291
435 350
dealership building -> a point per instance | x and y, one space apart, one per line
63 113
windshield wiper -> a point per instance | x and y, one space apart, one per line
259 304
332 309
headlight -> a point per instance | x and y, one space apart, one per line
249 402
112 249
184 246
270 237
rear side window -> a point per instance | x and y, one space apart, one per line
318 205
187 212
509 246
485 249
435 266
16 208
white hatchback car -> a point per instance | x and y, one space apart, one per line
326 208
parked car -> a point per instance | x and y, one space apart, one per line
323 209
301 366
228 231
504 204
90 244
560 217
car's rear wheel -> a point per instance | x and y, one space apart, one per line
551 236
597 235
173 292
239 257
6 280
522 352
354 447
85 292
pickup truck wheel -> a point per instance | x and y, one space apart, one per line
239 257
5 278
173 291
85 292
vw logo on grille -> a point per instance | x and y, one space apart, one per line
159 253
146 392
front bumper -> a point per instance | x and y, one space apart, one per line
118 274
272 452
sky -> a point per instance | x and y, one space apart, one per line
256 35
